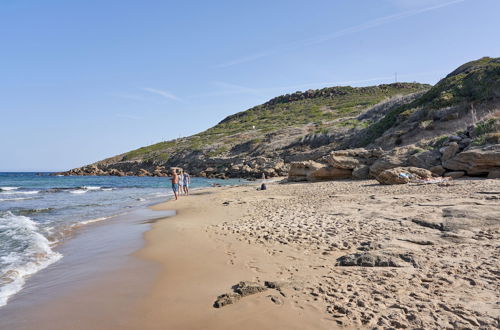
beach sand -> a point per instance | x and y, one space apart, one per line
442 242
342 254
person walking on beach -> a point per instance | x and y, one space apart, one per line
175 183
187 181
181 182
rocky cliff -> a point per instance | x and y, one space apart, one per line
404 118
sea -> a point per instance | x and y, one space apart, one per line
40 211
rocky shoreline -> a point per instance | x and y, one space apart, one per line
454 157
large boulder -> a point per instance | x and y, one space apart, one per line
361 172
449 151
385 163
476 161
329 173
299 171
401 175
426 159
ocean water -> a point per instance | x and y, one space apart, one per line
39 211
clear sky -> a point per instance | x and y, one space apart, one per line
84 80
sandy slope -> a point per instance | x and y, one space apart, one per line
444 240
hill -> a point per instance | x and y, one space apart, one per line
308 125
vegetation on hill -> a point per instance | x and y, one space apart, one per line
474 82
322 107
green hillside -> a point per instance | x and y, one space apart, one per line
321 107
475 82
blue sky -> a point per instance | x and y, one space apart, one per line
85 80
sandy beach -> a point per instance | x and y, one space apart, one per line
325 255
418 256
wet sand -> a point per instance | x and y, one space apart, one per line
94 286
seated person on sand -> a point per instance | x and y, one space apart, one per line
175 183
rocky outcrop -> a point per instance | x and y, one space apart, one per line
476 161
358 161
402 175
300 171
314 171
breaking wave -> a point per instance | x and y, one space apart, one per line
23 252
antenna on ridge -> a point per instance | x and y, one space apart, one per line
395 77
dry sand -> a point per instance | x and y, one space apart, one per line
435 249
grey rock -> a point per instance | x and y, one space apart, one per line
494 174
438 170
426 159
369 260
361 172
449 151
476 161
386 163
368 246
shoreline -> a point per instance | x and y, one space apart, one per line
82 290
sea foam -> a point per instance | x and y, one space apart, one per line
31 192
23 252
8 188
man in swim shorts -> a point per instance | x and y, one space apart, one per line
175 183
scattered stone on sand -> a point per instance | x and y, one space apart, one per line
246 288
278 285
369 260
276 299
240 290
226 299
